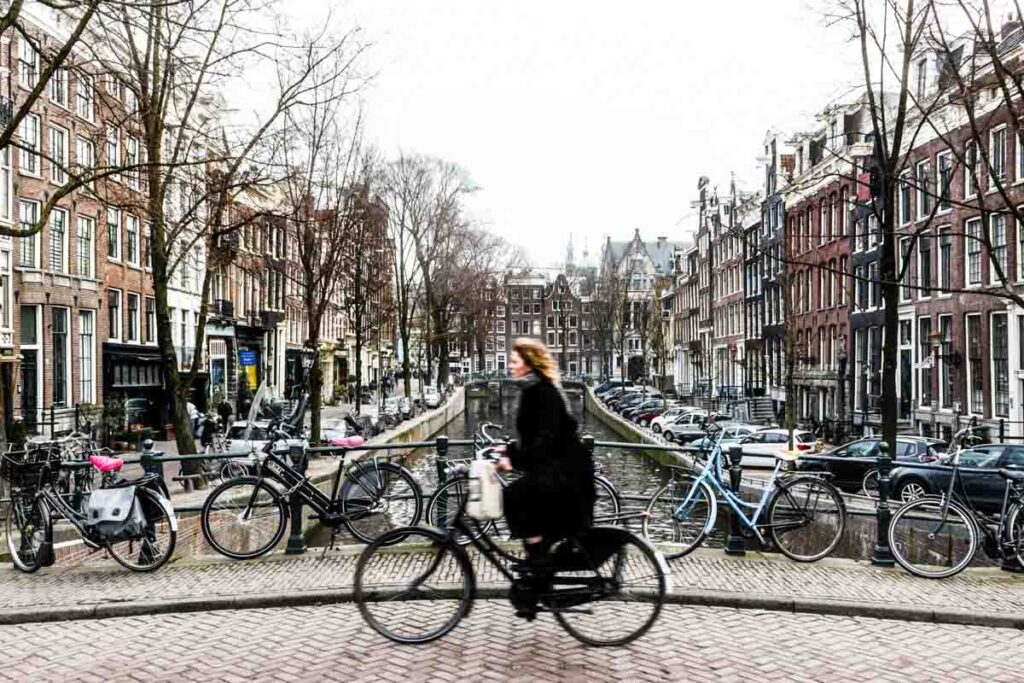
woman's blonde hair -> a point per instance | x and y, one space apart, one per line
537 357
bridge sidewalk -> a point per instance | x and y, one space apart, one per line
986 597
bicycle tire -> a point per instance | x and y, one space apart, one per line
870 484
370 500
124 551
454 493
607 503
789 496
703 508
1015 532
915 523
377 589
266 496
28 556
637 576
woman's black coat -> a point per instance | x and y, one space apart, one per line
555 496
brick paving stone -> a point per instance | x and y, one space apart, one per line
331 642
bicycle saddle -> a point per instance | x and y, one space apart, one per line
348 441
105 463
1013 475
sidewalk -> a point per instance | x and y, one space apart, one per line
985 597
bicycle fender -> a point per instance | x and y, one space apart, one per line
166 505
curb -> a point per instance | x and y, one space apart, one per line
312 598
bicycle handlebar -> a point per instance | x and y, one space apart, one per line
486 426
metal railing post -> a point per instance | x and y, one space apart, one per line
1002 430
882 555
146 459
735 543
296 540
441 463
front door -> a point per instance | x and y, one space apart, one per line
29 389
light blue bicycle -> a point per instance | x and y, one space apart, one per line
803 514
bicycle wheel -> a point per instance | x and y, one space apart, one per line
446 502
607 505
244 518
152 551
1015 532
617 597
28 532
807 518
933 540
233 469
680 516
870 484
417 592
380 497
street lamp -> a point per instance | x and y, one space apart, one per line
841 358
308 356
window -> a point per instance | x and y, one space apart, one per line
85 97
515 327
131 158
551 338
28 247
58 155
150 319
5 290
944 169
905 199
30 138
904 267
972 248
59 86
945 352
86 356
133 317
28 64
975 365
131 242
924 333
876 286
114 314
922 78
843 268
114 234
924 265
924 200
997 237
1020 158
860 288
85 157
84 246
945 259
6 186
61 360
113 148
1000 366
971 159
997 147
58 261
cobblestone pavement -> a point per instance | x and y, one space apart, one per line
706 571
332 643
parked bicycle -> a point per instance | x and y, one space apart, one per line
246 517
937 536
133 520
449 497
607 587
803 515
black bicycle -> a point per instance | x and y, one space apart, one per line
937 536
246 517
607 587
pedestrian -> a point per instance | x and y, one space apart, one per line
554 497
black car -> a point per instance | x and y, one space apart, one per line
983 490
849 476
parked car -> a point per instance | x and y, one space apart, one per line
984 490
734 433
759 448
673 412
610 384
431 397
685 427
406 407
645 416
849 476
649 404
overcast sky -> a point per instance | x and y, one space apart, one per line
594 118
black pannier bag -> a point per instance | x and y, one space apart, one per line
116 514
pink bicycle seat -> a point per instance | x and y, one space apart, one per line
348 441
105 463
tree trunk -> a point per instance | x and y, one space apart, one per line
890 296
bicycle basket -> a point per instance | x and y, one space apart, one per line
26 469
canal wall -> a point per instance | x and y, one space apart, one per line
629 433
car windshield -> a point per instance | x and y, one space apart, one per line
986 458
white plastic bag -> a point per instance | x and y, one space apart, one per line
484 491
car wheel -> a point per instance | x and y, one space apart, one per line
643 423
910 490
668 436
657 429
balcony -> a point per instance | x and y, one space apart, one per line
223 308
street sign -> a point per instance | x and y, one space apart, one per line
247 357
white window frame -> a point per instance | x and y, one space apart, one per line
120 316
1003 175
137 318
85 93
971 188
992 275
68 343
113 150
923 293
904 208
58 161
28 64
85 158
906 294
939 270
30 131
59 76
968 242
131 158
921 175
106 224
130 258
87 395
6 187
65 240
86 225
34 239
1010 378
967 365
947 156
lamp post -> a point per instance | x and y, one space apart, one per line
308 355
841 358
